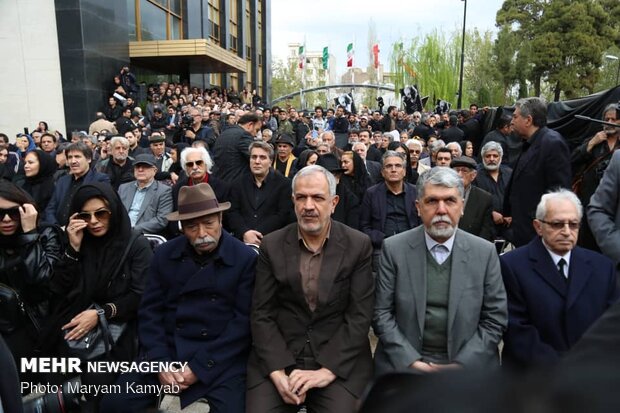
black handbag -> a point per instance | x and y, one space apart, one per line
99 340
103 337
13 310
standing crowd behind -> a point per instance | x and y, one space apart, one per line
383 219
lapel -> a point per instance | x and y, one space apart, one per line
579 273
410 197
529 154
148 197
382 204
543 265
334 251
291 262
416 271
458 276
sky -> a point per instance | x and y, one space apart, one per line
336 23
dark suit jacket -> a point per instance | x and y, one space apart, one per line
374 211
200 315
62 186
337 331
272 210
374 170
544 165
546 316
231 153
477 218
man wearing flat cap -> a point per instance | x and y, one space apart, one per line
477 216
147 200
196 310
285 161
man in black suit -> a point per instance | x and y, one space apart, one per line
544 164
261 201
373 167
230 150
477 217
452 133
311 308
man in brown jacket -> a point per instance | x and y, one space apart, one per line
311 310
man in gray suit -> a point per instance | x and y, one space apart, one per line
440 300
604 212
147 200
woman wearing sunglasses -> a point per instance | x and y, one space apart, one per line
27 255
98 269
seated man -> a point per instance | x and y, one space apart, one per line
440 299
261 201
117 164
389 208
311 308
195 311
147 201
477 218
556 290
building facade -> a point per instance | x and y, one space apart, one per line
67 52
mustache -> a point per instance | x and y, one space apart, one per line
204 241
441 218
309 215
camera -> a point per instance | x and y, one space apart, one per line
186 121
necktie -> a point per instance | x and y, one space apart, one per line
561 265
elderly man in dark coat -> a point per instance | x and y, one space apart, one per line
195 311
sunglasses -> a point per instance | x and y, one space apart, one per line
190 164
13 213
573 226
100 215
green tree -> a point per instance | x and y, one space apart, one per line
286 79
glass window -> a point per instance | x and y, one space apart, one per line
153 21
175 6
175 28
131 19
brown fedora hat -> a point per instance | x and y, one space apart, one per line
197 201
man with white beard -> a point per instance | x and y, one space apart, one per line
440 302
493 177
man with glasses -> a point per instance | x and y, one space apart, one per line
415 151
555 289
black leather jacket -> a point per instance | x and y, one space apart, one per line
28 266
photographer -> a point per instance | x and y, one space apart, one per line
193 129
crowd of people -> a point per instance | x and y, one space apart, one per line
360 219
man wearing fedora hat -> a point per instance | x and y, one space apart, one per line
285 162
195 310
311 308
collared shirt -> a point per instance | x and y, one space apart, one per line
440 254
396 218
136 204
556 258
309 267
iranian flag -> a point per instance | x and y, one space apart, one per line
350 55
375 54
302 56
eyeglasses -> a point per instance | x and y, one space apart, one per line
13 213
100 215
190 164
573 226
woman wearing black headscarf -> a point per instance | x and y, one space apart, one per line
355 175
91 271
27 255
38 177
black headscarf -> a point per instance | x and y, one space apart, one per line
41 186
101 255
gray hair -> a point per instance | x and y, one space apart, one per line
393 154
388 135
536 108
437 145
413 142
313 170
358 143
204 155
119 139
609 108
328 132
565 194
264 146
441 176
492 146
458 147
